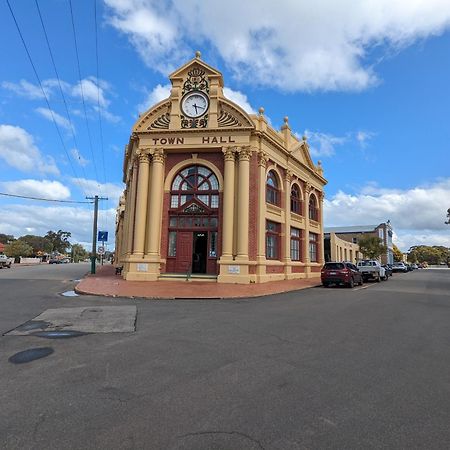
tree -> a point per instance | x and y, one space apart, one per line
59 240
398 255
18 248
39 243
78 253
372 247
431 255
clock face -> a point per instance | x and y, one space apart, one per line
195 104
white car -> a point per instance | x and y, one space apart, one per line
372 269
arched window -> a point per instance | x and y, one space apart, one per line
296 204
313 211
272 189
195 182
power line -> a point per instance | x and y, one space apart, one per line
43 93
81 90
59 84
98 101
42 199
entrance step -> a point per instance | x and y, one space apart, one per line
191 277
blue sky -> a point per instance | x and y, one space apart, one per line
368 85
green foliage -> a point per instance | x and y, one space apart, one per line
18 248
6 238
38 243
431 255
372 247
398 255
59 240
79 253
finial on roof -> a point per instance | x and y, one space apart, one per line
304 137
319 163
198 54
261 111
286 119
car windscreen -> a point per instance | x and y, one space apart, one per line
334 266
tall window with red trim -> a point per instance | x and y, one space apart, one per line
313 210
272 240
296 253
296 204
313 247
272 189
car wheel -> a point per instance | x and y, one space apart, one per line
325 285
351 283
378 279
362 281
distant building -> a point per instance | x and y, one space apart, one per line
354 233
337 249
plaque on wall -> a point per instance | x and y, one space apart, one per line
234 269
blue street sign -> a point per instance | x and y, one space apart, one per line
102 236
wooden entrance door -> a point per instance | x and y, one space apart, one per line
184 252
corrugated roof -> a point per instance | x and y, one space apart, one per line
351 229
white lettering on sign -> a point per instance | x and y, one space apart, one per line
234 269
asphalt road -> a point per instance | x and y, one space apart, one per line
315 369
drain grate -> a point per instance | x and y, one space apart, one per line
30 355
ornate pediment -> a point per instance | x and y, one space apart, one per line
157 118
232 116
301 151
194 208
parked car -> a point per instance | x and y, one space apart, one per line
371 269
399 267
5 261
340 273
388 269
54 261
409 267
414 266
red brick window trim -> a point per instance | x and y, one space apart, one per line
273 240
272 189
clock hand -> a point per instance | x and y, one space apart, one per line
195 106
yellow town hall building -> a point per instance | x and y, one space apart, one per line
216 194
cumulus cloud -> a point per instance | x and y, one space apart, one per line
94 94
111 190
363 137
239 98
53 115
417 214
18 150
20 219
323 144
323 46
157 94
37 188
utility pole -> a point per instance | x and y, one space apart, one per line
94 231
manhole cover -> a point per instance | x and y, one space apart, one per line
30 355
65 334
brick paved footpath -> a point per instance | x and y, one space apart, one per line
106 283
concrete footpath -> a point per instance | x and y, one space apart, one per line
106 283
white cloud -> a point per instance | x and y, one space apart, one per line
25 89
239 98
363 137
79 157
157 94
37 188
417 214
323 144
294 46
53 115
111 190
17 149
20 219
